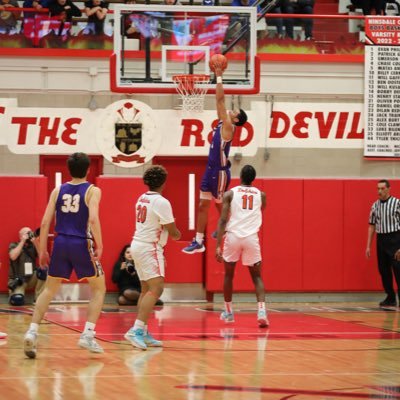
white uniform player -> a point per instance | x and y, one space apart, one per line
152 212
154 223
241 218
242 228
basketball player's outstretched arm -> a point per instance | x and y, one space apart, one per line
223 219
94 221
227 126
48 215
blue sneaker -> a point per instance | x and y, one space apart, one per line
262 319
151 342
227 317
194 247
136 338
214 234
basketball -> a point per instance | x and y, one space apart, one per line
218 59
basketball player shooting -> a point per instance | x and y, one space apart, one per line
217 176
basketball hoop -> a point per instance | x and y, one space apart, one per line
192 89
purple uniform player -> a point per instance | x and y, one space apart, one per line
217 175
78 246
73 246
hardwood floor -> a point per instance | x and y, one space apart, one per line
349 351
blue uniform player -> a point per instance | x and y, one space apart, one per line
78 245
217 176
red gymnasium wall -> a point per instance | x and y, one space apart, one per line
313 236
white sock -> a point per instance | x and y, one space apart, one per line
228 307
145 329
139 325
261 305
34 327
199 237
89 328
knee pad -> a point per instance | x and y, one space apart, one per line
17 299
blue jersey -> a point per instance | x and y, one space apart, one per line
219 149
72 212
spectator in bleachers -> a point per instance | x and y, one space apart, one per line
96 11
36 4
278 22
172 2
378 6
8 19
299 7
64 9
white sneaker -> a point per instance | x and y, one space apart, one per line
227 317
262 319
87 341
30 341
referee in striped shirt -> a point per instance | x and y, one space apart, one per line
384 219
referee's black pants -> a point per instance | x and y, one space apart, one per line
387 245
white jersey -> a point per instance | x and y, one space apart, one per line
152 211
245 218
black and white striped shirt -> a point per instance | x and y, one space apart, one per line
385 215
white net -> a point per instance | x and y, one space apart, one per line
192 90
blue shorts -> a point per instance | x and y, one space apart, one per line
73 253
216 181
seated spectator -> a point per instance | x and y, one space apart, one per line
299 7
368 5
36 4
64 9
278 22
23 273
96 11
125 277
8 19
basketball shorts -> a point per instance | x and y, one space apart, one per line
214 183
248 248
73 253
149 260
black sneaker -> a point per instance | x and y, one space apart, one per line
388 302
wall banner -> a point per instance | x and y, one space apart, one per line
129 133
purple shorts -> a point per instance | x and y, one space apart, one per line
216 181
73 253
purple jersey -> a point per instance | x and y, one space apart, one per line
219 149
72 212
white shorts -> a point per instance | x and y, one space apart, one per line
149 260
247 247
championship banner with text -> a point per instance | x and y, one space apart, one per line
382 87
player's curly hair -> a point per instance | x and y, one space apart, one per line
155 176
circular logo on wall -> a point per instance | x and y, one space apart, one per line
127 133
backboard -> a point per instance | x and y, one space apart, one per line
152 43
